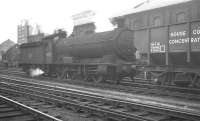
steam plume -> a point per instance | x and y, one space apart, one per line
36 72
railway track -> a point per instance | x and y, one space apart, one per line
179 93
45 105
97 104
127 86
11 110
165 91
187 94
12 71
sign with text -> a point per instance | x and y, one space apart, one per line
179 37
158 40
195 36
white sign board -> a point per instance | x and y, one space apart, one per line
83 17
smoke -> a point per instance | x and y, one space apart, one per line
36 72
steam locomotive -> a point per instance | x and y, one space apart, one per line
94 56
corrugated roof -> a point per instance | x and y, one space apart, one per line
152 4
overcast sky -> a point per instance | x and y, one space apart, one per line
52 14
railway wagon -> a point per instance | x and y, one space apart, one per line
166 34
171 54
95 57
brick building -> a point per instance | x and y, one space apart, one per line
158 13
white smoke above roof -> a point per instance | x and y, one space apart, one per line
149 5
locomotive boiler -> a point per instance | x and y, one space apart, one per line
118 43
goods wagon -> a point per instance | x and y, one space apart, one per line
171 53
92 56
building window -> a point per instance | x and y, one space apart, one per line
134 24
157 21
127 23
180 17
130 24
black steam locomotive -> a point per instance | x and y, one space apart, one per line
93 56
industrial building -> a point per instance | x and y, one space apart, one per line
23 31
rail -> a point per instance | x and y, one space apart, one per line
30 110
